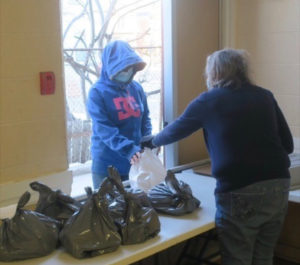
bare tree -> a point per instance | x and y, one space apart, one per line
90 69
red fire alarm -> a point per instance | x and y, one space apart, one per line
47 83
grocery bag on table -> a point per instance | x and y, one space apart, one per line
133 214
90 231
173 197
147 172
55 204
28 234
117 203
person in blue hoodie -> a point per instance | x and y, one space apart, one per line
248 140
118 108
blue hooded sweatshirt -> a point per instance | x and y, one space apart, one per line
119 111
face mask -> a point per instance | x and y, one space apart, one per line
124 76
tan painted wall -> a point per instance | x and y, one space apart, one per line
196 37
270 31
32 126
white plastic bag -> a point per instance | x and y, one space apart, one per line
147 172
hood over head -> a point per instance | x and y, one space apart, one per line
116 57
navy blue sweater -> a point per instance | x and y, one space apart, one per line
246 134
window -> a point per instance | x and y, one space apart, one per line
87 27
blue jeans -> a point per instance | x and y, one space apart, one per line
97 179
249 221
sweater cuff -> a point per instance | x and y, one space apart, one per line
154 143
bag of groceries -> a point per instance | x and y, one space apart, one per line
147 172
55 204
173 197
135 218
28 234
91 231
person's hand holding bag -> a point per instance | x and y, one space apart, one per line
147 172
147 141
135 158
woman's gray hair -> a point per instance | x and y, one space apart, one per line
228 67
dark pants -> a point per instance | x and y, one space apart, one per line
249 221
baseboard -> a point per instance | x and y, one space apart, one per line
11 192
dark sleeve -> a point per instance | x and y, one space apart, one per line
187 123
284 130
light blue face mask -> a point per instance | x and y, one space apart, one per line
124 76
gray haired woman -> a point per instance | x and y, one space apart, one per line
248 141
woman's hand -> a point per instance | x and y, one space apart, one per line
135 158
147 141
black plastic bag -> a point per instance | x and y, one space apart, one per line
116 202
136 223
55 204
173 197
91 231
28 234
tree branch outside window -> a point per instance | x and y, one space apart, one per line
88 26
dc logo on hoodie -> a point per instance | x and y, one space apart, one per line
127 107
